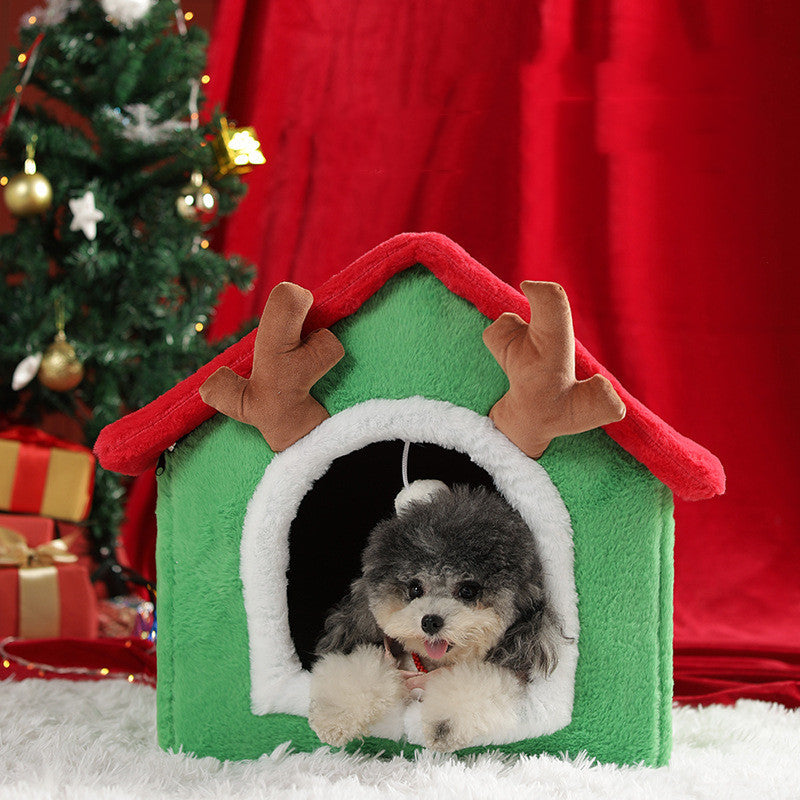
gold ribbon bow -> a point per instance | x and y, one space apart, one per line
14 551
39 608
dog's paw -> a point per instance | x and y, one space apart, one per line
351 692
447 735
332 726
468 705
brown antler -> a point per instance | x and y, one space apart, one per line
275 399
545 399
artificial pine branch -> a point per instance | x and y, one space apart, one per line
132 296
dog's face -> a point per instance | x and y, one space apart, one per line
447 577
447 618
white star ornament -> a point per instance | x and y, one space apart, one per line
85 215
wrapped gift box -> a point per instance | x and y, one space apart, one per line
36 530
40 600
40 474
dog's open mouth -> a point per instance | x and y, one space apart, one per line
437 648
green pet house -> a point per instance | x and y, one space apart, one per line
255 546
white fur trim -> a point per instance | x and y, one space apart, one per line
279 683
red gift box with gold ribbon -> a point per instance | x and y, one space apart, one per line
43 591
40 474
35 530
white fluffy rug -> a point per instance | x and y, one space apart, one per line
60 739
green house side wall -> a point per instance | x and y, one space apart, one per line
415 338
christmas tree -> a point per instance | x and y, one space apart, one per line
108 278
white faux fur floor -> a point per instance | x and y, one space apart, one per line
60 739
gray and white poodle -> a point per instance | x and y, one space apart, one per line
450 611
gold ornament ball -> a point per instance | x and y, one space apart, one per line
60 370
197 201
28 194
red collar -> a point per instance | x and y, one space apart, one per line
394 649
418 662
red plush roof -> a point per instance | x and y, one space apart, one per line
134 443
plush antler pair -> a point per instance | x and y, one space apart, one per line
544 399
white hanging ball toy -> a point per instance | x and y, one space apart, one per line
418 492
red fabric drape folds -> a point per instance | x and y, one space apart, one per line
139 529
643 155
724 675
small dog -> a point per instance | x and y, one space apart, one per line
453 586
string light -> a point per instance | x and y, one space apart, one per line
205 244
31 20
198 326
205 79
4 180
22 58
188 16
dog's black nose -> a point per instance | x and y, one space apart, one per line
432 623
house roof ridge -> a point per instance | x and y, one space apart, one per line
133 444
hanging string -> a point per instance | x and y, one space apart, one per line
61 314
406 448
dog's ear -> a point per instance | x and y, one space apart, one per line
530 644
350 623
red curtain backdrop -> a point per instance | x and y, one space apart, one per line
644 155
